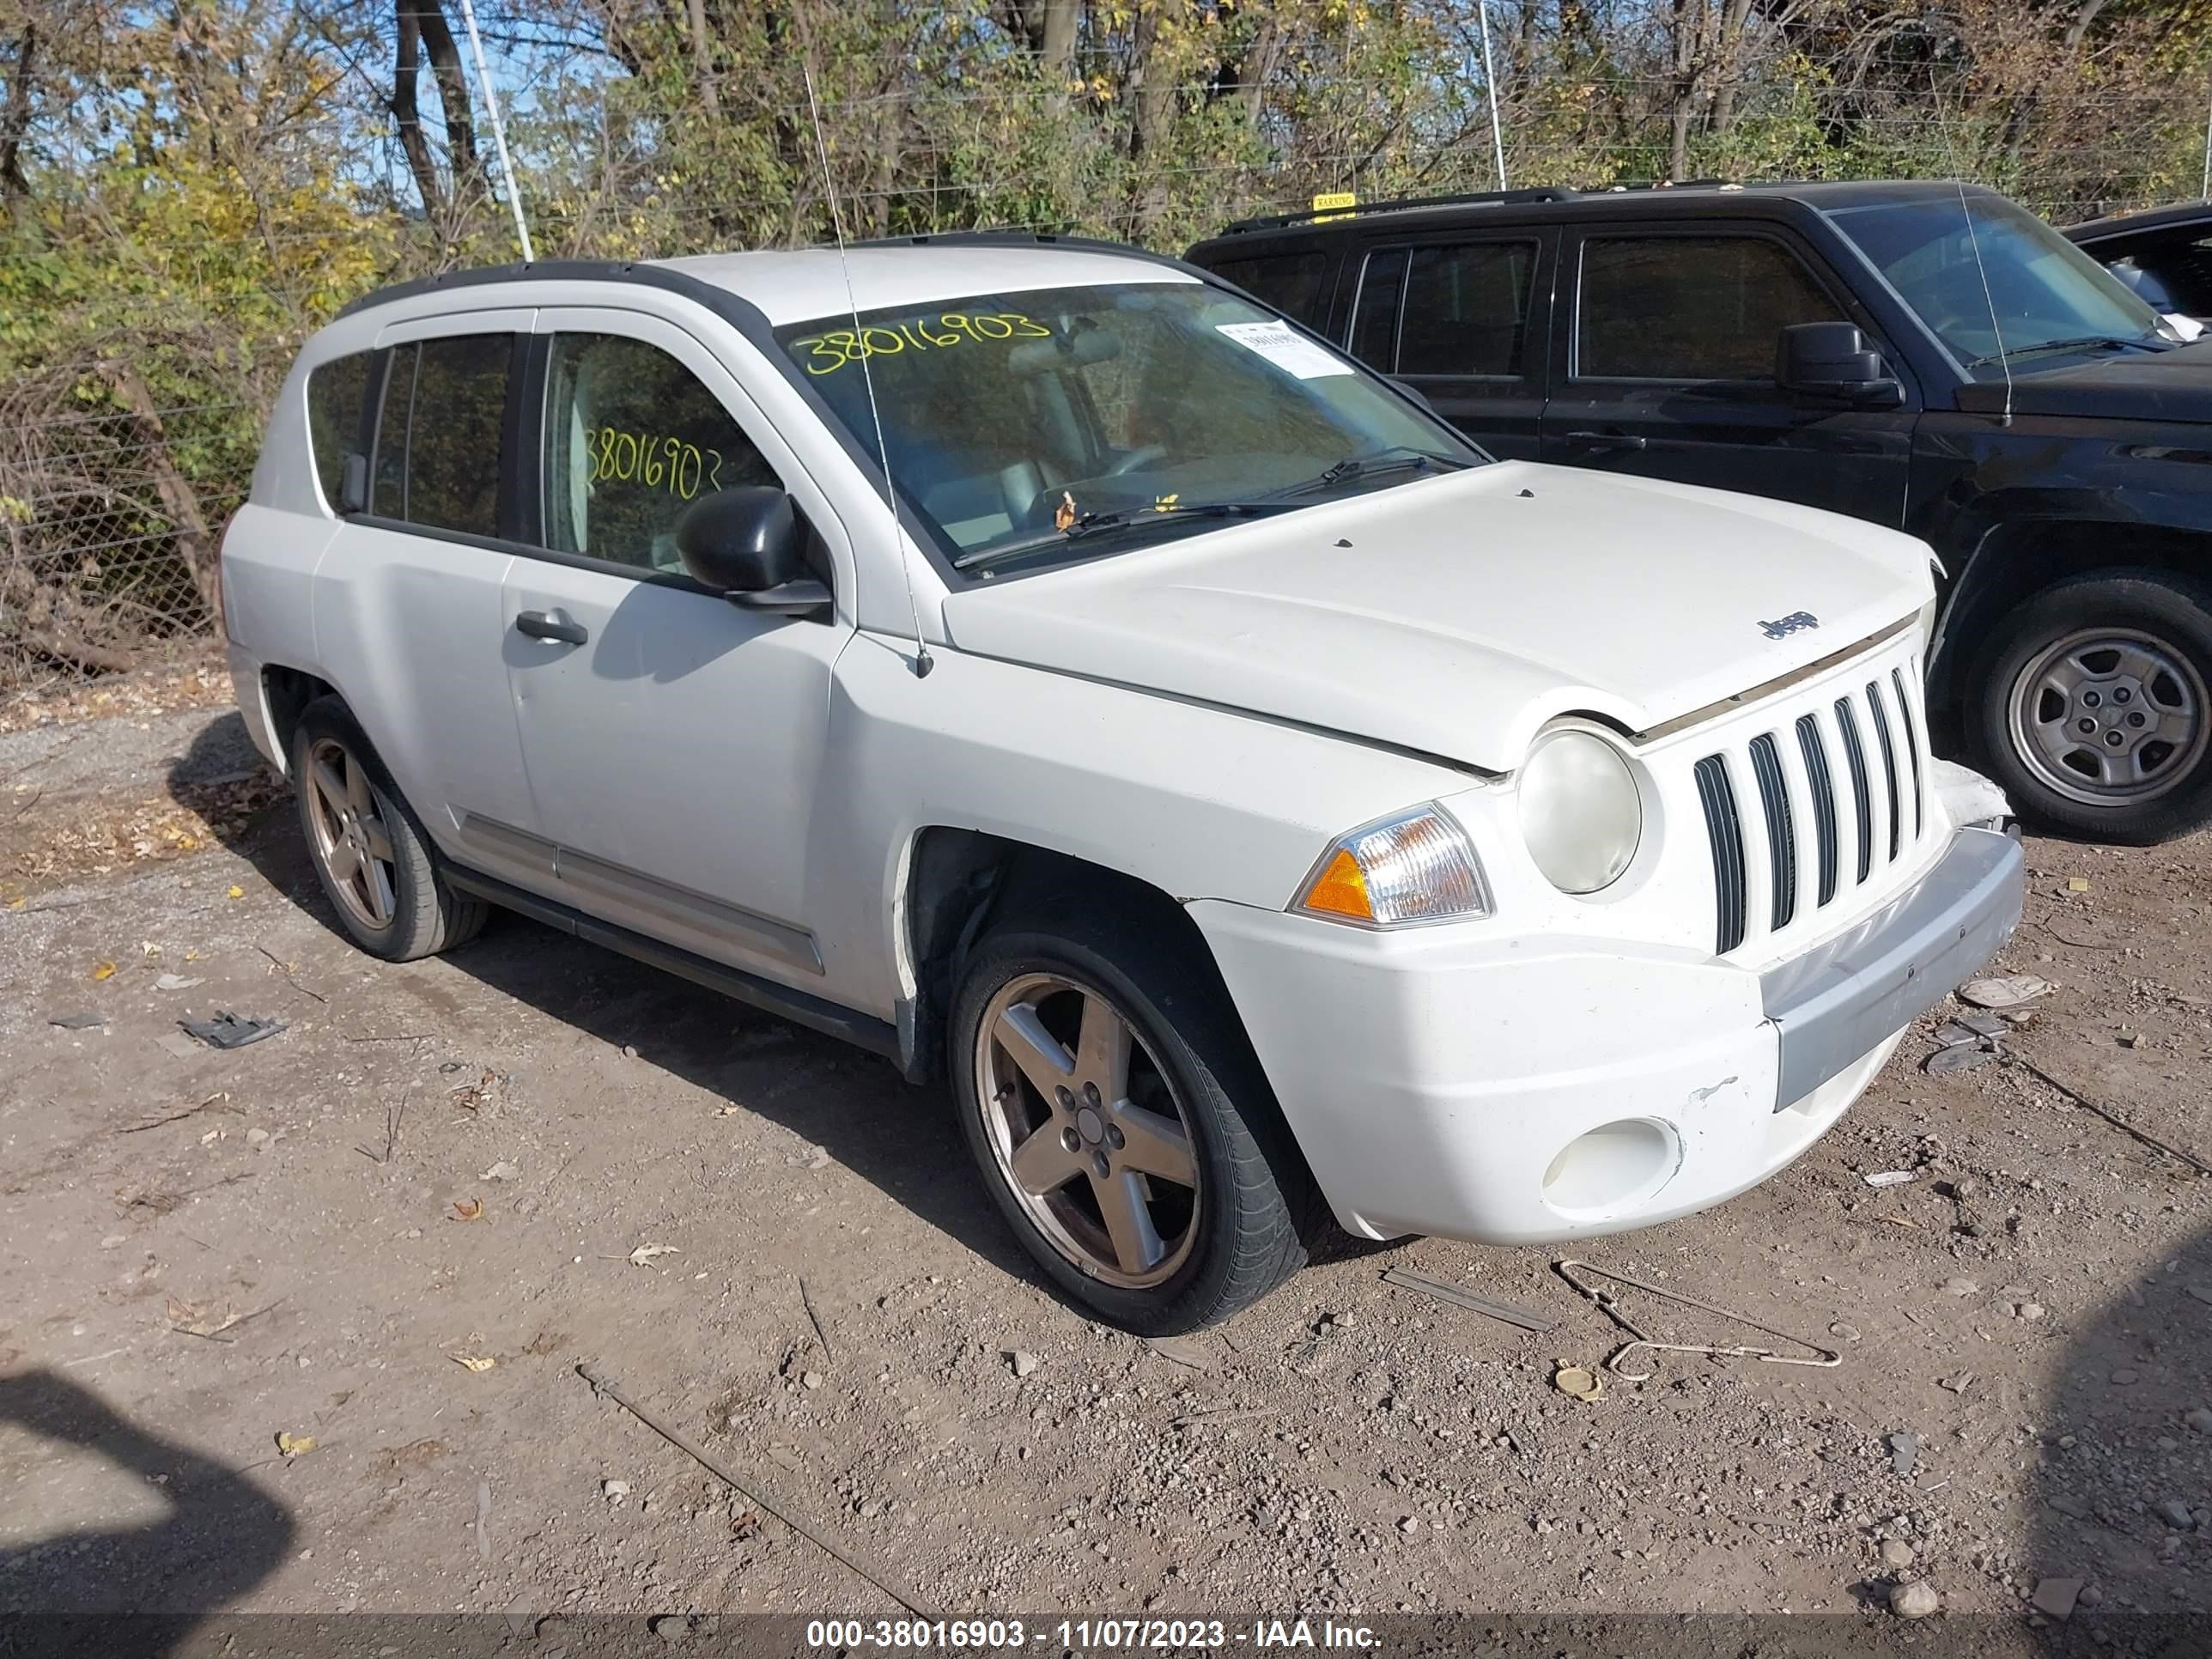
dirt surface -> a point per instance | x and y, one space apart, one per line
398 1227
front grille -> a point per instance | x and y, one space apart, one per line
1833 799
1722 826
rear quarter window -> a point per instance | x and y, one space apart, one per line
1295 284
337 391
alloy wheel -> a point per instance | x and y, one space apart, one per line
2109 716
345 819
1086 1131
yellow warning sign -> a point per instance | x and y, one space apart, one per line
1328 199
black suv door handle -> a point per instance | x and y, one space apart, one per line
540 626
1606 439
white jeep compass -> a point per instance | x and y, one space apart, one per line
1041 663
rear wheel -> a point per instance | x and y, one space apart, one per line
1123 1125
375 863
2094 710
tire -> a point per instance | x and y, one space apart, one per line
2092 708
1251 1210
377 867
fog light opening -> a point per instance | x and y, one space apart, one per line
1611 1167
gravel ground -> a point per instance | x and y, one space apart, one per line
397 1228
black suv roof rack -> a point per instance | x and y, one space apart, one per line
1538 193
1476 198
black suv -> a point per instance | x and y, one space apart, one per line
1930 356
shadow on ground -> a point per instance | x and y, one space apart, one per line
901 1139
220 1537
2119 1451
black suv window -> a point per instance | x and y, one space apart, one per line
1689 308
631 440
1295 284
438 438
1465 309
336 392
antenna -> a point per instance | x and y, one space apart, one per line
1996 330
923 662
498 134
1490 95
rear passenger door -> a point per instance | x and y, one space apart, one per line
1464 320
408 596
1670 371
673 739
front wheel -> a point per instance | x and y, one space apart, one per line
2095 713
1122 1123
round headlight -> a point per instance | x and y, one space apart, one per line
1581 813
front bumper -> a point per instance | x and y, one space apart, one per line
1530 1089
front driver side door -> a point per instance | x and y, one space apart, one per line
1670 373
673 741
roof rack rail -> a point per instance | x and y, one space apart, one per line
1477 198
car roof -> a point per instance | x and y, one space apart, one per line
797 285
1557 204
2130 224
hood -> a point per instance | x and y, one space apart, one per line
1456 615
2174 385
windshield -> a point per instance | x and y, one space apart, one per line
2043 289
1014 418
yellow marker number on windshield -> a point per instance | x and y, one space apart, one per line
827 353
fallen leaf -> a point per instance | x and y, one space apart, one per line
295 1445
645 1255
476 1362
468 1209
104 970
235 892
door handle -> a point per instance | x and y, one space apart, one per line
540 626
1607 440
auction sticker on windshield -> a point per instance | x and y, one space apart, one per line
1285 347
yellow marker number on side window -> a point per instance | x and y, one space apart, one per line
653 459
827 353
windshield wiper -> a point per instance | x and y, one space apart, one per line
1101 524
1398 457
2115 342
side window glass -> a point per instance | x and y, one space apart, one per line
1294 283
335 391
453 435
388 494
1690 307
1375 325
1467 309
631 440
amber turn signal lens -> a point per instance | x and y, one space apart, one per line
1340 889
1398 871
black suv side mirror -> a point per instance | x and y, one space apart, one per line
1833 360
745 544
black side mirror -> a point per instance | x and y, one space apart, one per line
1833 360
745 544
353 483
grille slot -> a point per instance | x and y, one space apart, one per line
1717 796
1911 751
1781 830
1888 766
1823 788
1862 796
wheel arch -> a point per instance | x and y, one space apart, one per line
958 880
286 692
2016 560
